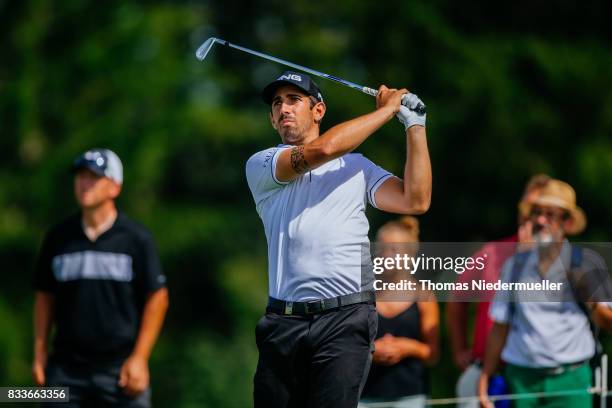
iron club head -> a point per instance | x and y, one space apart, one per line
205 47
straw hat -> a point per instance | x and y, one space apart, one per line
557 193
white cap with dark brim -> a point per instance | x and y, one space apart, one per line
103 162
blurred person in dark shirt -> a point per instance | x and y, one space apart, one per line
99 283
408 329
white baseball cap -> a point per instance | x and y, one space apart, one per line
103 162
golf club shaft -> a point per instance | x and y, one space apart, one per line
370 91
364 89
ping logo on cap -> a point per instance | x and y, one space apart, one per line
290 77
301 81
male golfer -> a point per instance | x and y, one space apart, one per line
99 282
316 339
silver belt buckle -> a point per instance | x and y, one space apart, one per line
288 308
558 370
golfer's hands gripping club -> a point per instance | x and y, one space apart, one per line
408 113
419 108
390 99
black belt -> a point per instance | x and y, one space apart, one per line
318 306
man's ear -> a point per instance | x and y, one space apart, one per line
272 121
115 189
567 224
319 111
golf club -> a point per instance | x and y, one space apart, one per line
208 44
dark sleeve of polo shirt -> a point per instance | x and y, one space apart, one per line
44 280
149 274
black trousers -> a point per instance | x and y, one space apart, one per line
92 387
317 361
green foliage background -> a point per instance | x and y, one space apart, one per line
511 90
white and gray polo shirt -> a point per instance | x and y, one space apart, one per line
545 334
315 225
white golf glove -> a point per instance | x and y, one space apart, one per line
407 116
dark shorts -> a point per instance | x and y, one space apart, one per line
92 387
319 361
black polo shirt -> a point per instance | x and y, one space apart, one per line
99 288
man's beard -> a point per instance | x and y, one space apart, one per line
293 135
543 237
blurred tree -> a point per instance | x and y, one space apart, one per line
510 93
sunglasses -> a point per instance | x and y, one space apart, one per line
549 214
